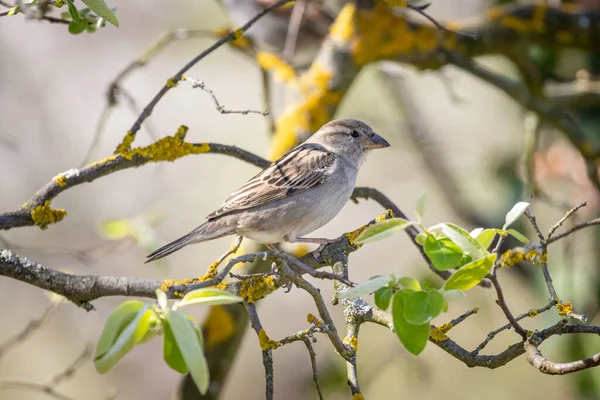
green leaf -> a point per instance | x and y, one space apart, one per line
207 296
486 237
100 8
13 10
413 337
382 230
514 214
407 282
420 238
383 297
471 274
422 307
443 252
420 206
187 339
73 11
172 353
127 339
462 238
518 235
366 287
116 322
77 27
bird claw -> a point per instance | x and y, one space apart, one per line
317 253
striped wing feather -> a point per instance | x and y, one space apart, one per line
304 167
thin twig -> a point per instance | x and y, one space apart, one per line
574 228
536 359
464 316
267 355
32 326
305 269
246 258
220 108
50 387
492 334
313 362
502 303
292 32
568 214
421 10
328 326
68 372
179 75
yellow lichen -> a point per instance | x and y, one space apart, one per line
125 145
168 148
396 3
510 258
534 257
532 313
358 396
355 233
217 327
310 114
311 319
255 288
438 334
352 342
239 40
211 272
61 180
343 27
426 39
44 215
564 308
265 342
272 62
171 83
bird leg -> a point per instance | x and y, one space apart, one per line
321 241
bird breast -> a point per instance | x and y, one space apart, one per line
302 213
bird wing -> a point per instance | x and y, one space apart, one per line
304 167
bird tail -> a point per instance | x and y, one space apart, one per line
207 231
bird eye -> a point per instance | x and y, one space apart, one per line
354 134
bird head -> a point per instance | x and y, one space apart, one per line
349 138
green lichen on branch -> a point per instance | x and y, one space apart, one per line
44 215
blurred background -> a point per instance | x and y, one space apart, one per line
451 135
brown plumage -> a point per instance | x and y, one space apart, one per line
295 195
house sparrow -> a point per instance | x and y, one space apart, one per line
297 194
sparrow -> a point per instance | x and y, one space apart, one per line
297 194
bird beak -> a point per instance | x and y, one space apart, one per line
375 142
